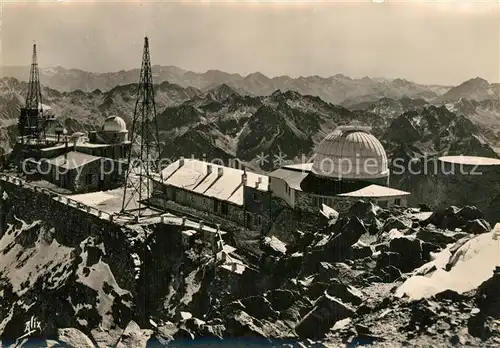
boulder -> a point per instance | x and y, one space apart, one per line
273 246
72 337
259 307
487 298
477 226
360 250
241 323
327 310
366 211
396 223
346 293
404 253
390 274
410 251
282 299
453 217
469 213
430 234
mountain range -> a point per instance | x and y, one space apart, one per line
335 89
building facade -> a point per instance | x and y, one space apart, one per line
229 193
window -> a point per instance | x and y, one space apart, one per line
397 201
224 208
255 197
216 206
382 204
89 179
259 220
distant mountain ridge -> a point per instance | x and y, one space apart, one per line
335 89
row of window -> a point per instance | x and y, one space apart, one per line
318 201
221 207
384 204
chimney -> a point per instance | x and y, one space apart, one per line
259 181
181 162
209 169
220 171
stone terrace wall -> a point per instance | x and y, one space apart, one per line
470 185
71 225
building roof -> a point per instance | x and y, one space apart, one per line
306 167
193 176
91 145
72 160
375 191
114 124
292 177
350 153
471 160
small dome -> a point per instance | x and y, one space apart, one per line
114 124
350 153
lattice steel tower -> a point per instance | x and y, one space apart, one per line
31 119
143 159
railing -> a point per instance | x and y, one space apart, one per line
183 221
58 197
165 219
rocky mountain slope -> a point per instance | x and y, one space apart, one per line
476 89
334 89
416 139
485 113
285 124
371 276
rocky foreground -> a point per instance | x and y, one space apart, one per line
369 277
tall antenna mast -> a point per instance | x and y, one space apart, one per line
30 122
145 146
34 96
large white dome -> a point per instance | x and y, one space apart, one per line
350 153
114 124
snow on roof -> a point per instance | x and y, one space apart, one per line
375 191
292 177
471 160
72 160
56 147
193 176
90 145
307 167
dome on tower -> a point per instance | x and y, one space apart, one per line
351 153
114 124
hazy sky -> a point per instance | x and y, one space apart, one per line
422 42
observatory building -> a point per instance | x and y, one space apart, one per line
349 164
81 163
